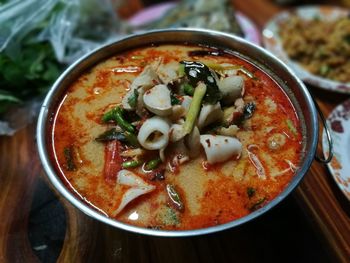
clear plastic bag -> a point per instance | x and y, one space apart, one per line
73 27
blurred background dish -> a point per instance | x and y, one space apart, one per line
218 15
315 42
339 167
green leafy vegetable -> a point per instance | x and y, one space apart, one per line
174 197
111 135
69 156
198 72
174 100
132 100
27 74
188 89
169 216
124 137
250 192
116 115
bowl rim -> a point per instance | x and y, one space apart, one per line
68 194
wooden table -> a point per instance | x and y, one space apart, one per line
311 225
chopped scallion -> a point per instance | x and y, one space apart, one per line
131 164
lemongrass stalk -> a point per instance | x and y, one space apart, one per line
195 107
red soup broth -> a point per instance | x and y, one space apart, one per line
211 194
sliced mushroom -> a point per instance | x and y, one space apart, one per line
137 188
157 100
179 149
162 154
231 88
220 148
229 131
147 79
192 142
177 112
168 73
130 195
154 133
125 177
239 105
209 114
228 69
176 132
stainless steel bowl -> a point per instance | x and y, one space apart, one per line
293 87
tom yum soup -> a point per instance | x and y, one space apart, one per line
176 137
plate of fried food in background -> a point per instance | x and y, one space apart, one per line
217 15
315 42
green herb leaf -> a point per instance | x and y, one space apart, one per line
169 216
174 197
111 135
174 100
132 100
250 192
29 72
69 156
124 137
198 72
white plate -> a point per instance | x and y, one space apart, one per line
152 13
339 123
272 42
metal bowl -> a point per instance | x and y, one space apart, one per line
294 88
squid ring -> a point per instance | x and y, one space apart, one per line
154 133
220 148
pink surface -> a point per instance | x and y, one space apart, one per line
149 14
